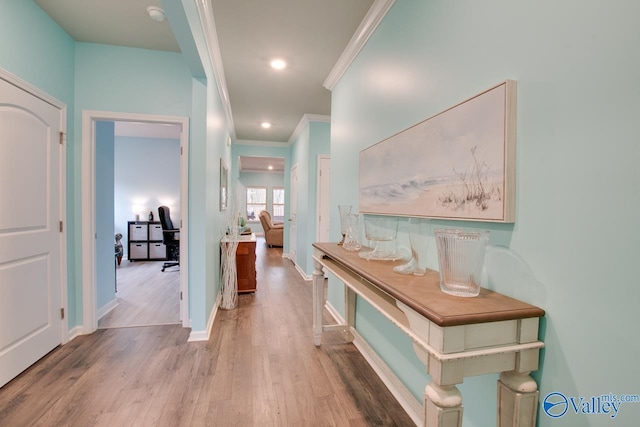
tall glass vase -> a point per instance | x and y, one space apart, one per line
344 211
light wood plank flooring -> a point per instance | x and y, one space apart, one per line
146 296
259 368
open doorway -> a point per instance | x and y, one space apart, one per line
90 214
144 175
260 186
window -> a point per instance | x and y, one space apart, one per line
256 202
278 204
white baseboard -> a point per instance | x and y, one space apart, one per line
305 276
75 332
204 335
105 309
412 407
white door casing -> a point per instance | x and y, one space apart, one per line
323 206
32 244
89 297
293 212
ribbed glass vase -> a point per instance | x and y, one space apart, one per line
461 258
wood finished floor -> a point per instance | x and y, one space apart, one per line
146 296
259 368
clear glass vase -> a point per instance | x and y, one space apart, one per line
418 231
461 258
351 241
344 211
381 232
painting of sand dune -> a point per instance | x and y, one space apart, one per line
458 164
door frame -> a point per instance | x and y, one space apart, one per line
319 188
89 278
38 93
293 206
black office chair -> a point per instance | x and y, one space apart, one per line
169 238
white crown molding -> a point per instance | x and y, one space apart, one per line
372 19
304 122
215 57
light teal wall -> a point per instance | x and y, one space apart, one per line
319 144
304 217
312 141
105 161
217 134
37 50
125 80
210 128
573 245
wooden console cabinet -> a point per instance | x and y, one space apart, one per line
454 337
245 263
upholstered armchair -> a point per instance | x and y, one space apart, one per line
273 232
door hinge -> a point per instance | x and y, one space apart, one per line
62 313
181 151
62 136
180 295
61 226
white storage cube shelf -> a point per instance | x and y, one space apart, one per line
145 241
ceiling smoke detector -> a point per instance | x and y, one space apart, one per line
156 13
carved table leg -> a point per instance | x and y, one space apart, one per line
349 312
318 302
517 400
442 406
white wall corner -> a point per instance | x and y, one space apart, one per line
105 309
75 332
304 122
204 335
372 19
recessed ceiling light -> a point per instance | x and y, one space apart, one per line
156 13
278 64
265 125
270 168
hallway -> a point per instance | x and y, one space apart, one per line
259 368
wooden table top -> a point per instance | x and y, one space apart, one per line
423 294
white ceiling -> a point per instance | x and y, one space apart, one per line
309 34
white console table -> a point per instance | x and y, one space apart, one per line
454 337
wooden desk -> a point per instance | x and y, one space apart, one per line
454 337
245 262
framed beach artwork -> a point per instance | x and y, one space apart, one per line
458 164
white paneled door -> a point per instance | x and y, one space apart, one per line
30 237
